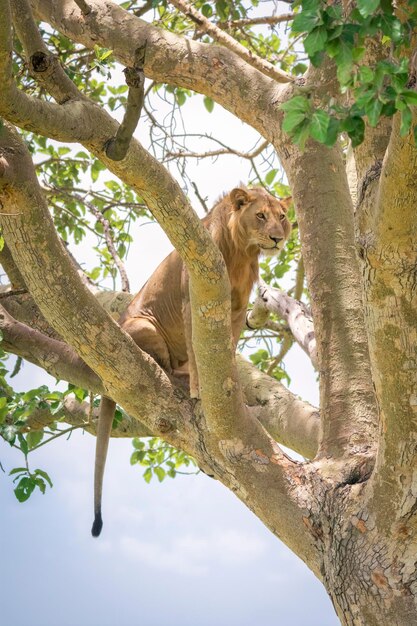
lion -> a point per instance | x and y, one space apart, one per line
244 224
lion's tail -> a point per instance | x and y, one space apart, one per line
106 415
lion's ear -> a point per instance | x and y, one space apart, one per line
239 197
286 203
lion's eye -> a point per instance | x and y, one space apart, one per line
282 218
261 216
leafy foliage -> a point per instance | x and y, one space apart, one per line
376 91
159 459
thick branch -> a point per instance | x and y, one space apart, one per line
390 266
325 217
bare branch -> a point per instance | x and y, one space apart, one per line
110 244
293 311
118 146
84 6
270 20
214 153
221 37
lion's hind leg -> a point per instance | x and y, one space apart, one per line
147 337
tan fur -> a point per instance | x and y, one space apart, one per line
243 224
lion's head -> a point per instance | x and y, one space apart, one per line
258 221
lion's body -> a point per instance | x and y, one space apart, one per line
243 224
155 317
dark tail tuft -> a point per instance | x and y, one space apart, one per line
97 525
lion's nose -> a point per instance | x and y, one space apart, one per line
276 239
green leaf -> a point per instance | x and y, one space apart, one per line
373 111
137 457
406 121
301 134
409 96
34 437
160 472
314 42
332 132
319 125
366 74
44 475
147 475
180 97
298 103
24 488
41 484
270 176
292 119
367 7
23 443
207 10
306 21
355 128
208 103
18 470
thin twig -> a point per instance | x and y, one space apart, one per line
202 200
110 244
229 42
82 4
214 153
270 20
12 292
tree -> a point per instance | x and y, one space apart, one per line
343 132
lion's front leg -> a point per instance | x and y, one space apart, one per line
186 314
192 365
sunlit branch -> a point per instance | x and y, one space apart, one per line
293 311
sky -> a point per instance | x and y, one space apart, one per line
185 552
